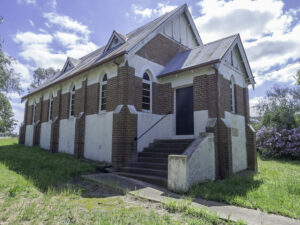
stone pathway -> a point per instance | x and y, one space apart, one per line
158 194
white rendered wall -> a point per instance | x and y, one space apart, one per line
239 153
196 165
98 137
29 135
186 78
45 135
141 64
66 135
200 121
163 130
201 165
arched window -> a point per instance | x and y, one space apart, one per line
72 101
50 107
103 94
146 99
33 113
232 95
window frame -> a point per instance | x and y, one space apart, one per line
101 91
72 102
150 92
50 112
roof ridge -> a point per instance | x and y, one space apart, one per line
222 39
212 42
160 17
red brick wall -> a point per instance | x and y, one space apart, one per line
56 112
29 115
80 106
251 148
138 86
112 94
124 131
160 50
162 98
200 92
124 123
65 102
45 111
92 100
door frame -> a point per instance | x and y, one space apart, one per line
175 136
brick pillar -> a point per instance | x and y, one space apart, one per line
80 111
215 100
54 139
250 135
124 122
124 132
37 125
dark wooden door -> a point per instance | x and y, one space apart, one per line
184 111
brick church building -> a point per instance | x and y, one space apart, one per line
156 104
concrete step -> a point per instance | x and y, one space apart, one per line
170 145
173 140
164 150
153 154
144 171
152 160
155 166
159 181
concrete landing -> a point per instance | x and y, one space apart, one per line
158 194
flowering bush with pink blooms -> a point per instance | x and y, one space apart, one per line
278 143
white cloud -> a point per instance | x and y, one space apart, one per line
285 75
66 39
53 4
269 37
66 22
146 13
254 101
25 73
28 2
18 110
32 38
251 18
79 50
76 46
36 49
31 23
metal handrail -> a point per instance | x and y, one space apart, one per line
137 138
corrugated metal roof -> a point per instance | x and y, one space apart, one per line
200 55
98 56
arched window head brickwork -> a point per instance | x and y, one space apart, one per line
147 92
232 95
103 94
72 101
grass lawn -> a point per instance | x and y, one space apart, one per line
275 188
37 187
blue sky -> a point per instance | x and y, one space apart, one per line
42 33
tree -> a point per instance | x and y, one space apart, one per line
7 122
279 107
9 82
40 75
9 79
